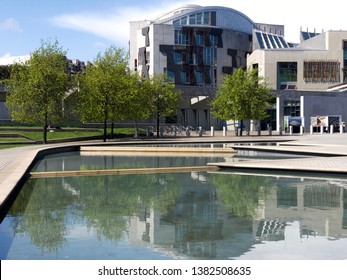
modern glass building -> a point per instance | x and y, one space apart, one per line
196 46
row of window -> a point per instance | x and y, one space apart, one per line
270 41
209 57
199 38
202 18
200 76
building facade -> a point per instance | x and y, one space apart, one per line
196 47
309 79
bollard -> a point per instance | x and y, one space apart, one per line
187 132
331 129
269 128
301 130
200 131
212 131
321 129
311 129
224 131
291 130
341 128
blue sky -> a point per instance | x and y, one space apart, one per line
86 27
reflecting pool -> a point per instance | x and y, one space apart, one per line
191 215
72 161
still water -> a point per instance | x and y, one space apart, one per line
192 215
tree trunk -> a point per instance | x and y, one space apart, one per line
240 127
45 133
105 117
112 130
105 130
45 130
158 118
136 129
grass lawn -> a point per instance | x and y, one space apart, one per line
31 134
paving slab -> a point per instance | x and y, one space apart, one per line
318 164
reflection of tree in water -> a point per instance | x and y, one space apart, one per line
45 222
108 201
104 203
240 194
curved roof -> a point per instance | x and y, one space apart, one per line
227 18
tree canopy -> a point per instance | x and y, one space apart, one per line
37 87
104 88
243 96
109 92
164 97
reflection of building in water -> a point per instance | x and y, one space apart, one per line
196 226
271 230
320 208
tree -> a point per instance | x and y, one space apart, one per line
243 96
104 87
135 104
165 97
36 89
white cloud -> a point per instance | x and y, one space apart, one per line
112 25
100 25
10 24
6 55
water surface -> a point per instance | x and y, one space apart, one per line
219 215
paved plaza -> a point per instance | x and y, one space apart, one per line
329 150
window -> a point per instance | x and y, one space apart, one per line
207 56
177 57
214 40
184 21
176 22
184 76
199 74
171 76
192 19
210 55
180 38
199 18
288 71
206 18
199 39
192 58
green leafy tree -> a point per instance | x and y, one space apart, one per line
164 96
36 89
104 88
134 105
243 96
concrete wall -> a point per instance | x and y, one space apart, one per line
323 106
313 104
